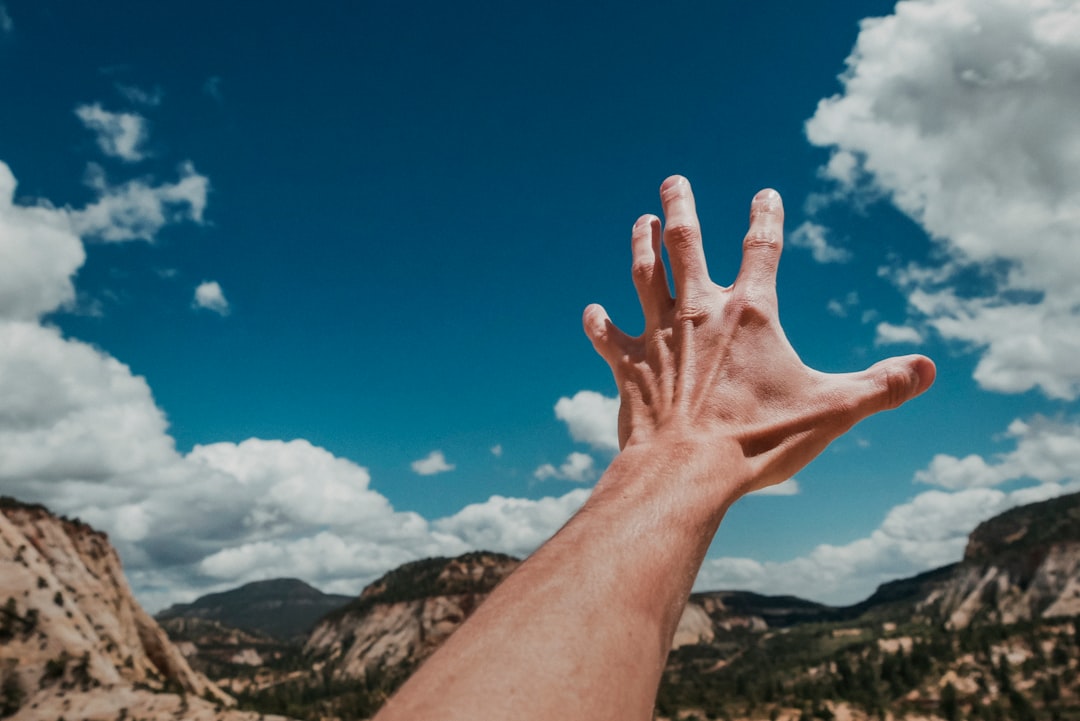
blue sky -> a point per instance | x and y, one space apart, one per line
281 280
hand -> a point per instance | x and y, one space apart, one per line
713 369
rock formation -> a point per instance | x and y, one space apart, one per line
400 619
74 643
1022 564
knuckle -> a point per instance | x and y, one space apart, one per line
749 310
682 235
642 271
762 239
894 386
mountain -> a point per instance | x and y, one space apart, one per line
1023 564
401 618
282 608
74 643
994 636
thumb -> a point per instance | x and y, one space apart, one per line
892 382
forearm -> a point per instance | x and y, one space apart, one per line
582 629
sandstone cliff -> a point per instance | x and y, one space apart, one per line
400 619
74 643
1022 564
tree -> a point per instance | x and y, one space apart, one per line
949 705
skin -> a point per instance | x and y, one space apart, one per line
715 404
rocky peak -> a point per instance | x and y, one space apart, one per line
1022 564
73 640
401 618
1026 530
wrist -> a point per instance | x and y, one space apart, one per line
695 480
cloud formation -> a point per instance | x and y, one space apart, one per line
119 135
209 295
928 532
889 334
961 113
815 238
1046 451
591 418
578 467
138 210
7 25
511 525
434 462
138 96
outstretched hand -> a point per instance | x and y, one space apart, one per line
713 369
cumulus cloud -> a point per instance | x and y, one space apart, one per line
137 209
961 113
434 462
512 525
119 135
928 532
815 238
81 433
6 23
888 334
497 450
41 255
591 418
578 467
1046 451
209 295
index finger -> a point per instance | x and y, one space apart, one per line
682 237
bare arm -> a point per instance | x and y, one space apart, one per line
714 404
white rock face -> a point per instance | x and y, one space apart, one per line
694 627
76 639
389 634
1041 588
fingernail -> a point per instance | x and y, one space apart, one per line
766 198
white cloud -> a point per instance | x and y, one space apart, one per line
41 255
790 487
840 307
138 96
434 462
137 210
592 418
929 531
6 23
578 467
119 135
209 295
1046 451
814 237
81 433
888 334
961 112
512 525
497 450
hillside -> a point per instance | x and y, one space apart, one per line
74 643
901 653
